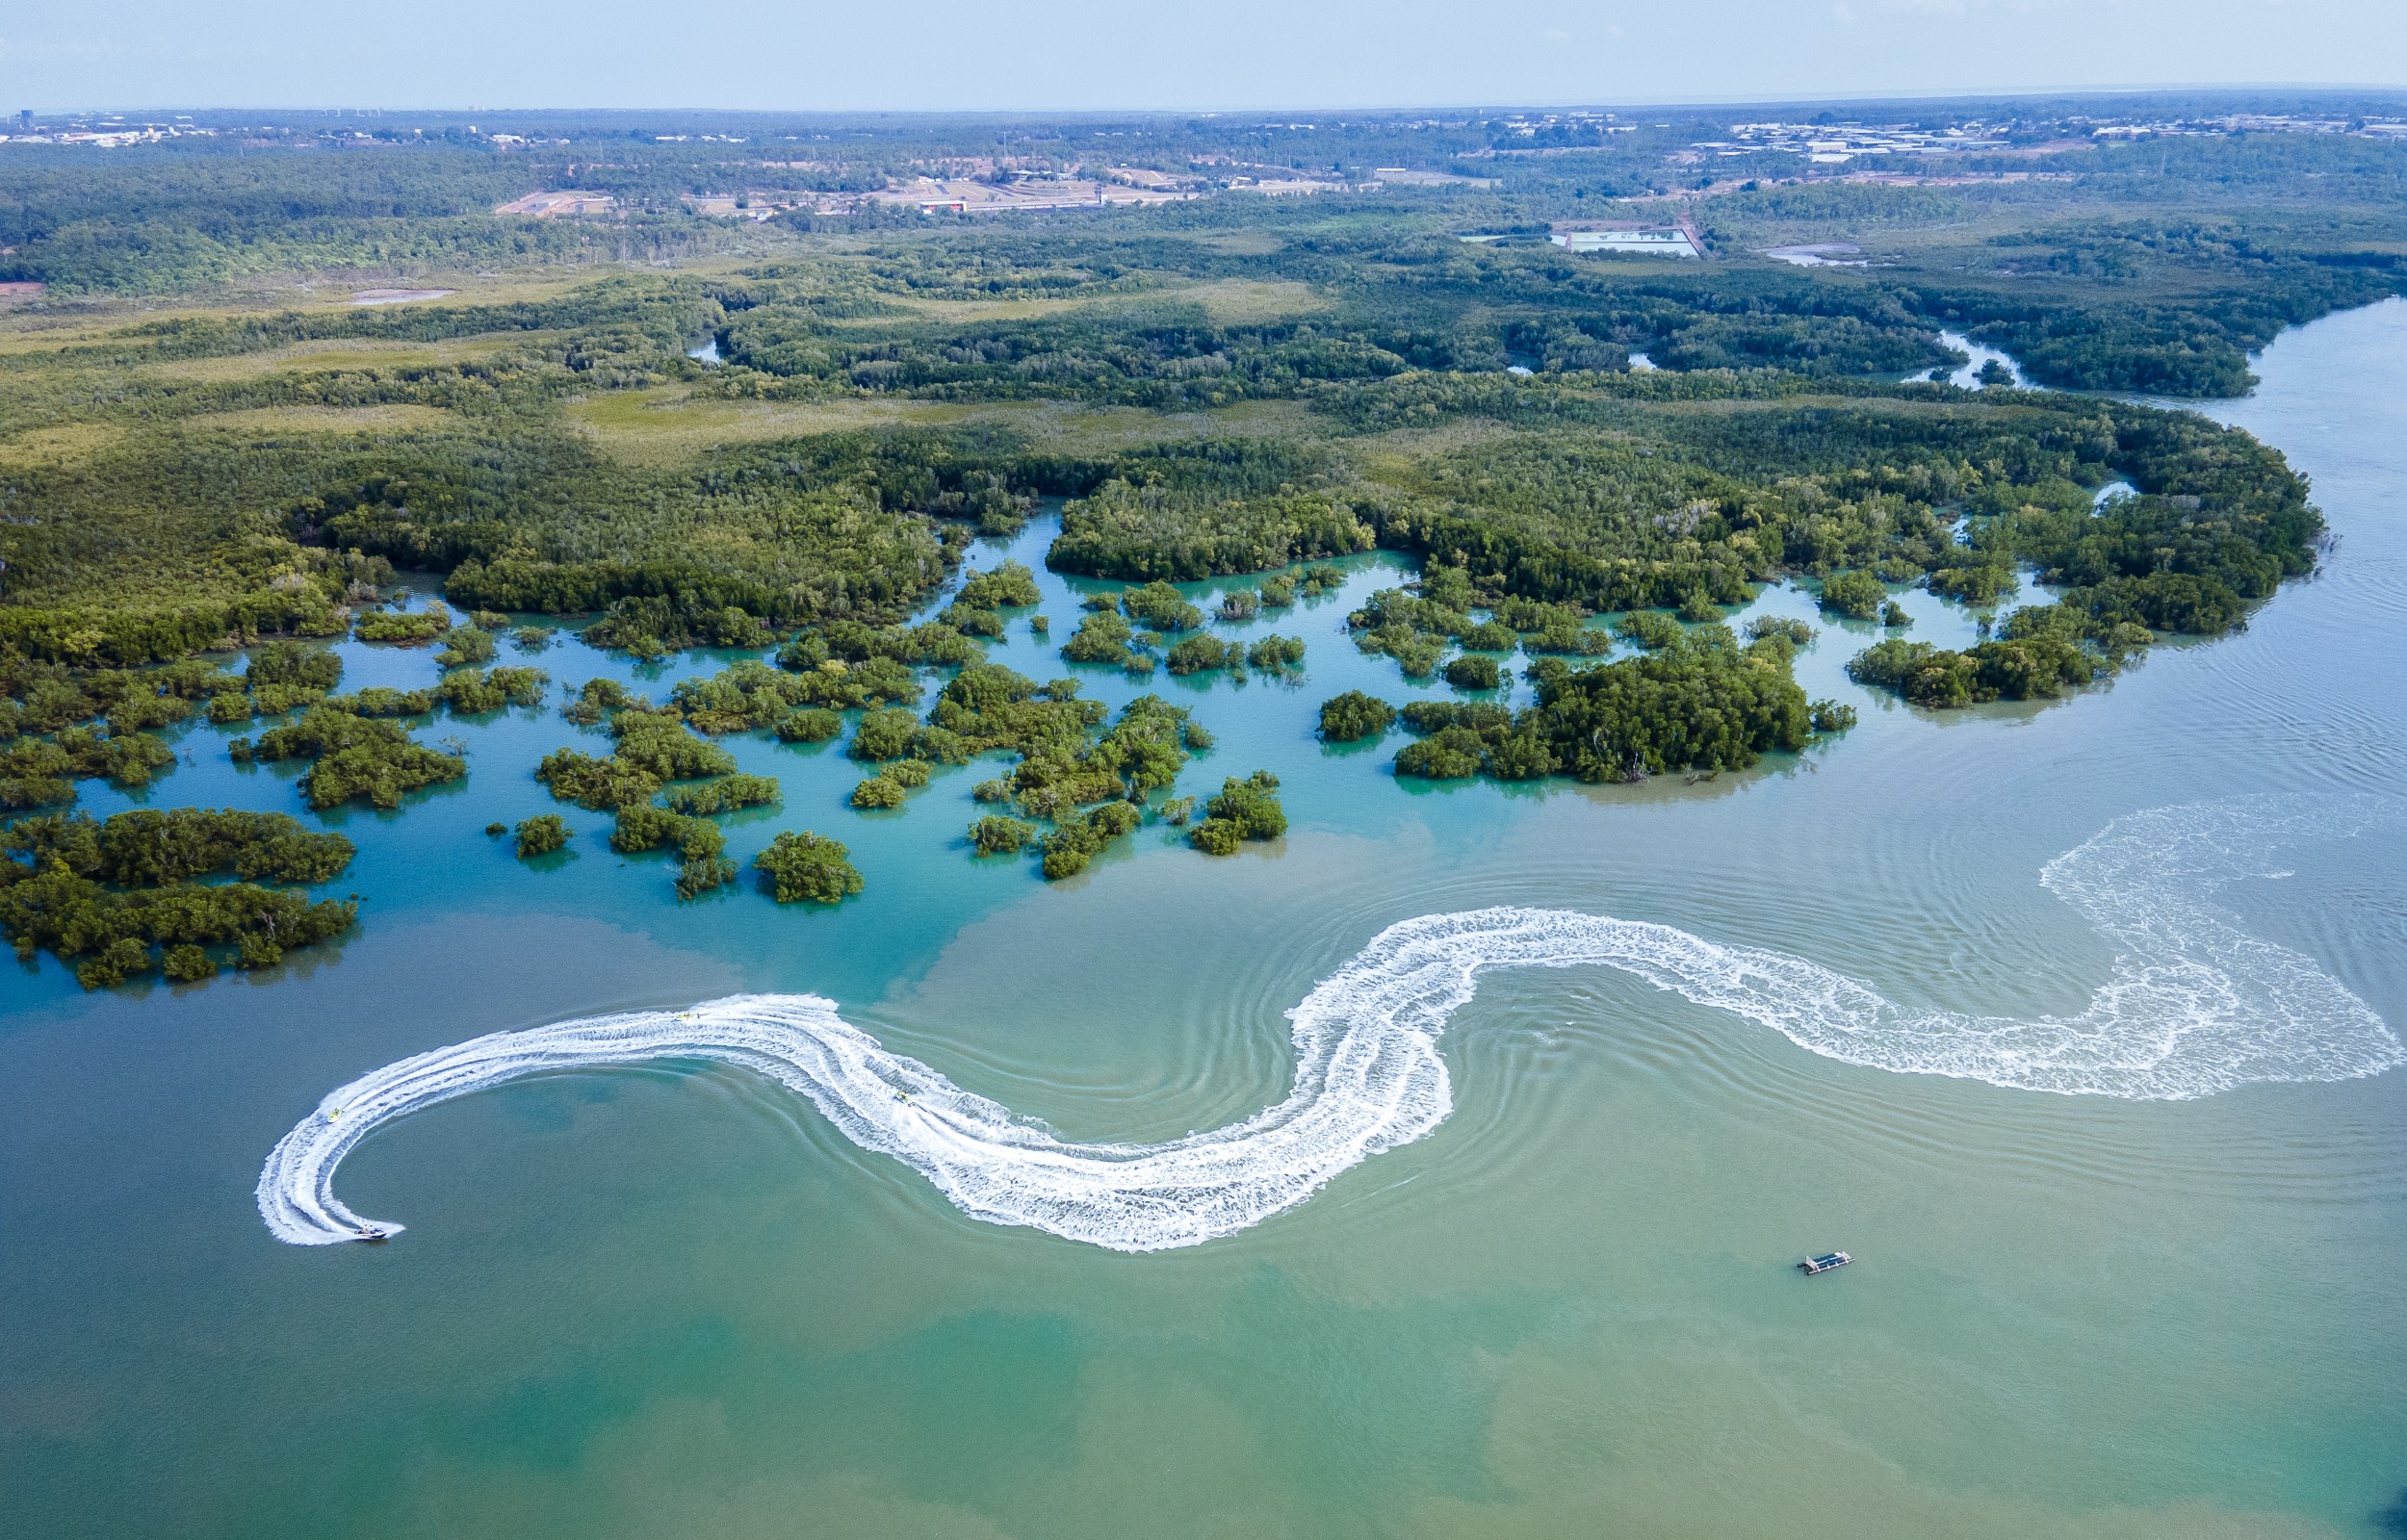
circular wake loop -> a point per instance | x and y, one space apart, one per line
2193 1006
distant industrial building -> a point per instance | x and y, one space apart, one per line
1642 240
559 205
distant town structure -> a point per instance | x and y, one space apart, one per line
931 194
1837 143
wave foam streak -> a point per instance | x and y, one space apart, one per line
2193 1006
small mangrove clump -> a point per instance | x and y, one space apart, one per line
541 835
352 758
1796 632
476 691
805 868
111 892
1077 839
1160 606
1978 583
996 835
654 748
1102 637
1697 607
2029 661
1319 580
1702 702
700 844
1009 587
1857 595
380 699
282 676
1196 654
466 647
1650 630
1472 672
742 697
1276 655
877 793
37 773
597 699
1353 716
726 794
1245 810
290 664
810 724
402 628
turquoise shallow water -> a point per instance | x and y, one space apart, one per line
634 1300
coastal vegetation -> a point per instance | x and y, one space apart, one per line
1857 595
1247 810
260 473
541 835
805 868
135 894
2039 654
1353 716
1704 702
1472 672
352 758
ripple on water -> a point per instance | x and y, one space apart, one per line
2194 1006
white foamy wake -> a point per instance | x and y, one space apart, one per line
2193 1006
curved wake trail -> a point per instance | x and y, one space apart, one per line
2193 1006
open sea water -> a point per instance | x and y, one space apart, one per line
2069 1020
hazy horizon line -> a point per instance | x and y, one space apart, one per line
1653 104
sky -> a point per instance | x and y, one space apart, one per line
1080 55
